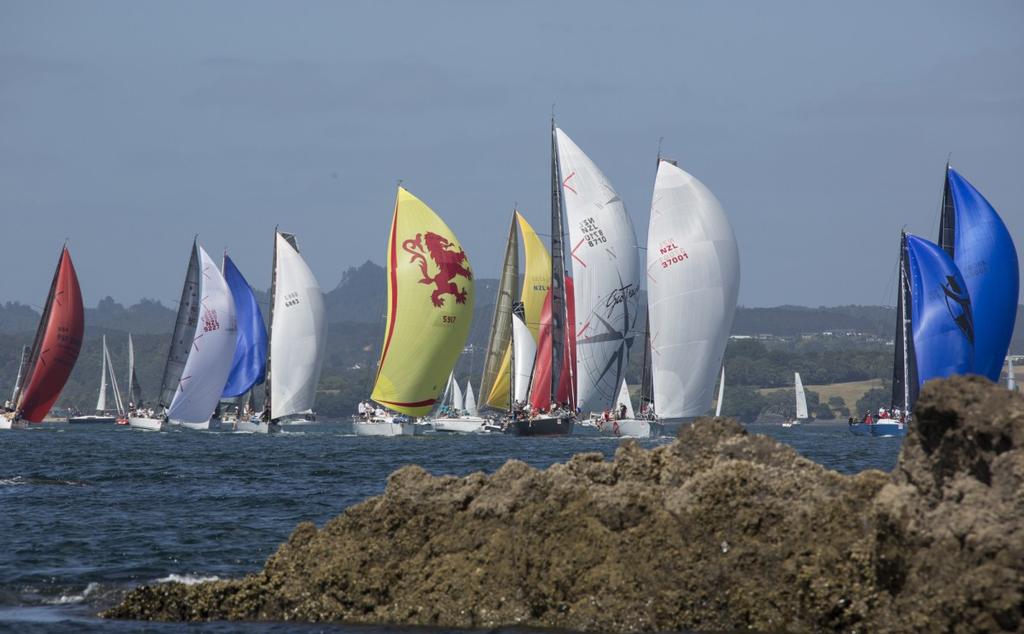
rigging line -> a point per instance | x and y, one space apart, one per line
942 193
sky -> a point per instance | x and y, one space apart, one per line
823 128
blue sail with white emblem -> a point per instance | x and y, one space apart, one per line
940 312
250 363
974 235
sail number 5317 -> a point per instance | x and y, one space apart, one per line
448 319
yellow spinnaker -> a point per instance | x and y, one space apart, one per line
430 305
536 280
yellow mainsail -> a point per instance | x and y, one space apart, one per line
536 280
430 305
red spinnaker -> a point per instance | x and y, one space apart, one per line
57 344
540 395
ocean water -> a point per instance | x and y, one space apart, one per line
89 512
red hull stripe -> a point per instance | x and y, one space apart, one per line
429 401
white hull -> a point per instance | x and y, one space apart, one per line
296 421
460 425
214 424
147 424
383 428
249 427
8 423
625 428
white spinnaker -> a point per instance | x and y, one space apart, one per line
101 400
721 392
457 403
693 273
605 273
471 400
212 351
298 335
625 400
801 397
525 353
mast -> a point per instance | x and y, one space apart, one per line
947 219
558 307
645 375
270 332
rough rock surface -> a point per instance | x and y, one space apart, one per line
720 530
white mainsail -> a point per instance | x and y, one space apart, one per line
212 348
693 270
524 354
1011 382
101 400
625 400
721 391
118 401
801 397
471 400
457 403
605 273
298 333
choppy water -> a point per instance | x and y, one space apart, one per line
88 512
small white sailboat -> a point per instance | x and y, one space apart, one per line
1011 381
102 415
461 415
201 352
801 402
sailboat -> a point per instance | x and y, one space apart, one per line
516 325
801 402
200 353
975 237
935 332
1011 381
460 414
102 414
298 337
54 350
430 307
249 365
693 272
134 390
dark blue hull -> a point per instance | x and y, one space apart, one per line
883 429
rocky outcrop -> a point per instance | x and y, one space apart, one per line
718 530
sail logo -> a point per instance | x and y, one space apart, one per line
210 321
959 307
449 260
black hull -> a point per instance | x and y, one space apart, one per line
92 420
561 426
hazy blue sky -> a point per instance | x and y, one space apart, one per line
129 126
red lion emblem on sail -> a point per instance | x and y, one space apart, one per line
450 260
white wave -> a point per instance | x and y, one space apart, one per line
65 599
188 580
16 480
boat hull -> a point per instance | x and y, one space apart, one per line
461 425
884 428
147 424
214 424
251 427
10 423
92 420
625 428
383 428
550 426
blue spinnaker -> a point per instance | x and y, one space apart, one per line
250 364
983 251
940 309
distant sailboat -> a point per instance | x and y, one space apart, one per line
102 414
298 336
934 330
977 240
721 392
201 351
53 352
430 307
1011 382
460 414
134 390
801 402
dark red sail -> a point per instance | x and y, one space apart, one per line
540 394
57 343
